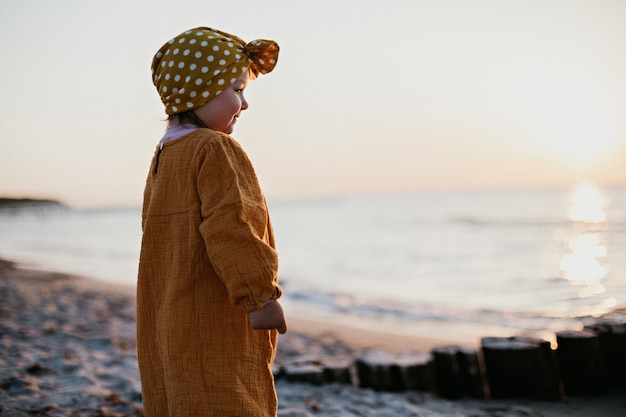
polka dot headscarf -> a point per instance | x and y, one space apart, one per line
199 64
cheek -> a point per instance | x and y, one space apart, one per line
234 105
218 114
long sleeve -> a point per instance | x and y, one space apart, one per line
235 226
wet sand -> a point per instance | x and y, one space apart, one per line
67 348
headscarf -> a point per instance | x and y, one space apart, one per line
197 65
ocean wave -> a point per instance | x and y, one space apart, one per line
376 311
616 226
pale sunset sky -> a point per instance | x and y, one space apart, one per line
367 96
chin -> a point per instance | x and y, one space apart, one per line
227 130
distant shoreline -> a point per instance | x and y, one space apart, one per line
26 201
10 203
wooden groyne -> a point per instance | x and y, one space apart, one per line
585 362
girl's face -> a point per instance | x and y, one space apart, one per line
221 113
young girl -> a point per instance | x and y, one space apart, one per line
207 290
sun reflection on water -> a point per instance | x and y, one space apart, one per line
583 265
588 204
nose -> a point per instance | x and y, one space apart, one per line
244 103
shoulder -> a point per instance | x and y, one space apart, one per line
212 141
218 150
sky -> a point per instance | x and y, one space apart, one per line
367 97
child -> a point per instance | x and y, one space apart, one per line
207 315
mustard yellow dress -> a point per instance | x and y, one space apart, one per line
207 259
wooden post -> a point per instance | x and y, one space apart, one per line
415 371
471 375
303 369
521 367
447 372
457 372
373 369
581 362
309 373
383 372
337 371
612 337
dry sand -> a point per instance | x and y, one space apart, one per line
67 348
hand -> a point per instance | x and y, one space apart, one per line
271 316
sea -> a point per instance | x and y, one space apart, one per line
456 265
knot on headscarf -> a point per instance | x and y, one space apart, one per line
263 54
197 65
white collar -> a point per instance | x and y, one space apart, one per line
177 131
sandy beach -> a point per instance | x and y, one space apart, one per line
67 348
